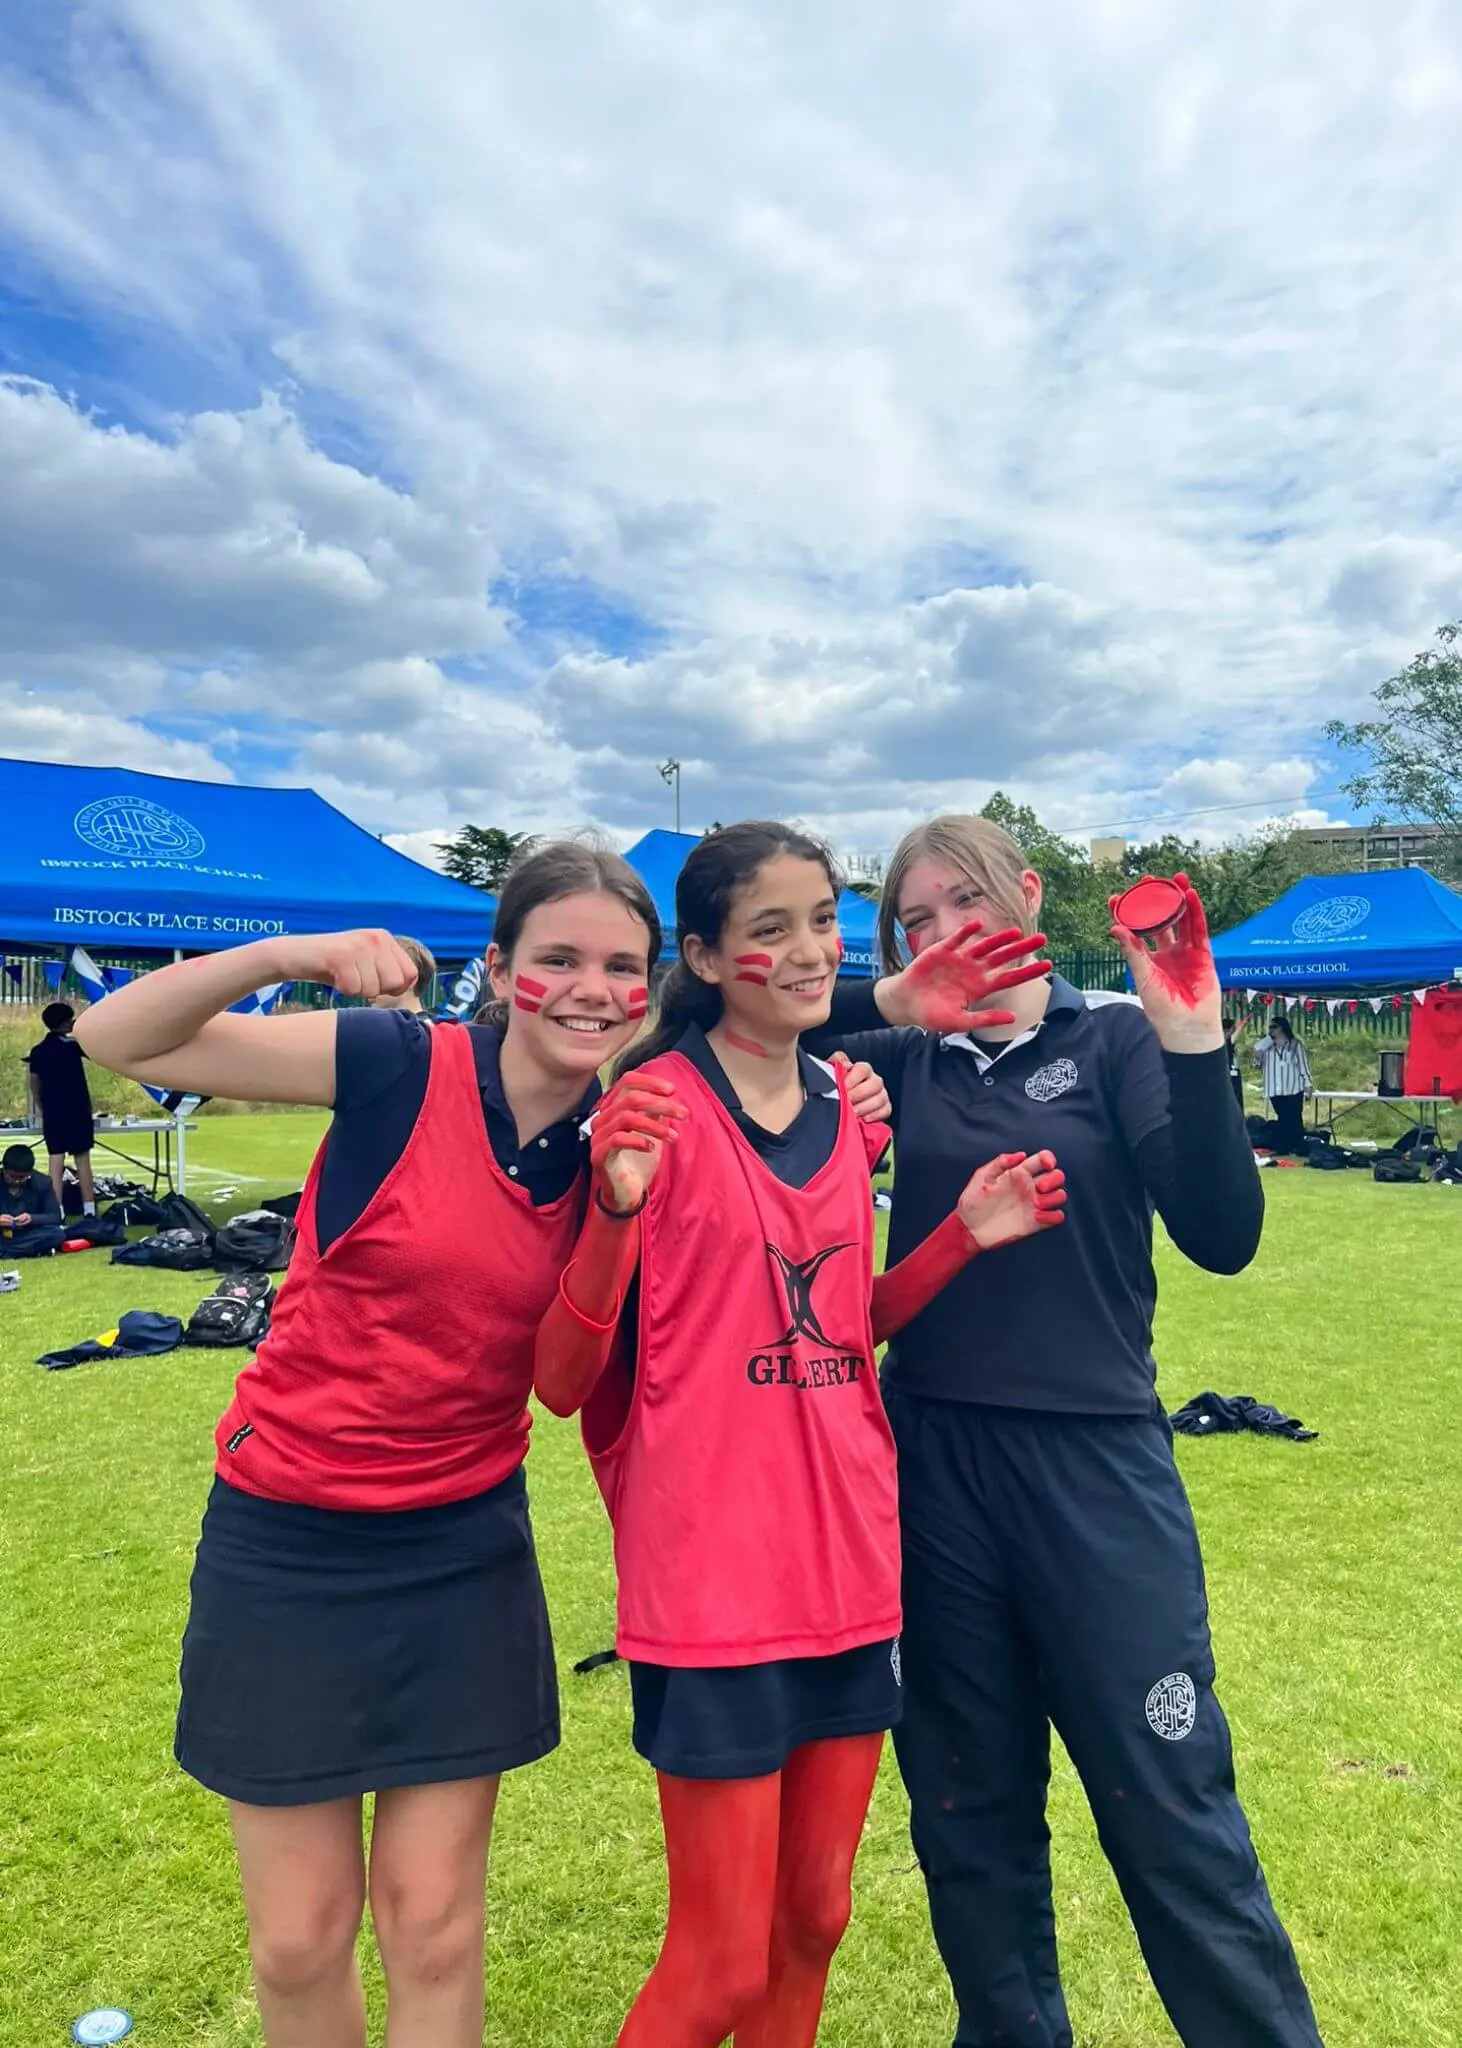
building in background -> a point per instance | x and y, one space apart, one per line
1107 853
1370 847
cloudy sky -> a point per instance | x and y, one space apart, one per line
867 402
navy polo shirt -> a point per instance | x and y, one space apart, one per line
1062 1321
382 1058
805 1147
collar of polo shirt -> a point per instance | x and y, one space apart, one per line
1064 1000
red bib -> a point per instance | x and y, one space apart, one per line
398 1368
749 1470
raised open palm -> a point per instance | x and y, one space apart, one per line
948 986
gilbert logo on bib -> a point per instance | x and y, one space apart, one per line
1046 1083
783 1366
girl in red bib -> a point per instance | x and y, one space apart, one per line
718 1326
366 1611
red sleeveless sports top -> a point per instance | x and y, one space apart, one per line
398 1368
749 1470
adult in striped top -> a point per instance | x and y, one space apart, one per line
1285 1069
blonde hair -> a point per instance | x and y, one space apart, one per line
984 853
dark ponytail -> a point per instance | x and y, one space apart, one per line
549 873
716 868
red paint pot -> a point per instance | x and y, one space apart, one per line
1150 906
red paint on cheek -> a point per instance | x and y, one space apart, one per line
840 949
916 944
748 1045
637 1004
749 961
528 995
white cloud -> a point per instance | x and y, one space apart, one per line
32 729
739 311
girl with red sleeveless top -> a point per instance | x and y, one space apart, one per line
366 1610
718 1328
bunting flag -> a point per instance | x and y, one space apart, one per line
117 977
1249 997
1332 1004
55 973
1418 996
12 968
1376 1004
88 974
1398 1002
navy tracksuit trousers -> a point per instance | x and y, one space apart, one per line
1052 1575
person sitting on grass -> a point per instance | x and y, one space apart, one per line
30 1215
61 1103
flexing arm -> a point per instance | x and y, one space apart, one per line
1011 1197
576 1337
171 1029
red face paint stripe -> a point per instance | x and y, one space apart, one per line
532 988
638 1003
523 1003
747 1045
757 980
754 960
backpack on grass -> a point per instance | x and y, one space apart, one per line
177 1250
237 1312
256 1242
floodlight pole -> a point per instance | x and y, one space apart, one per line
670 772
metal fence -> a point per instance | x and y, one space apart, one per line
25 983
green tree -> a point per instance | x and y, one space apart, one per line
1074 906
481 855
1415 746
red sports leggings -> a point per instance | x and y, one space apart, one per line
760 1895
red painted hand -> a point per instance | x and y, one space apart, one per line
634 1123
948 985
1013 1196
1176 980
867 1096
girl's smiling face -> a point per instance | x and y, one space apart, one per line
577 983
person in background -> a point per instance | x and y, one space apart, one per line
1285 1069
30 1214
417 998
61 1102
1232 1026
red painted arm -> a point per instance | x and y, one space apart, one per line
634 1124
576 1337
900 1293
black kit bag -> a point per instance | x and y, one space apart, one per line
130 1210
1395 1172
179 1251
256 1242
97 1230
237 1312
178 1213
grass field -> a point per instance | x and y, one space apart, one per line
1334 1588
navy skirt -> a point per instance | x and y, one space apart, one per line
330 1653
745 1720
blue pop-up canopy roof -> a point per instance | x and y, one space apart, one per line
1397 928
658 858
117 861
